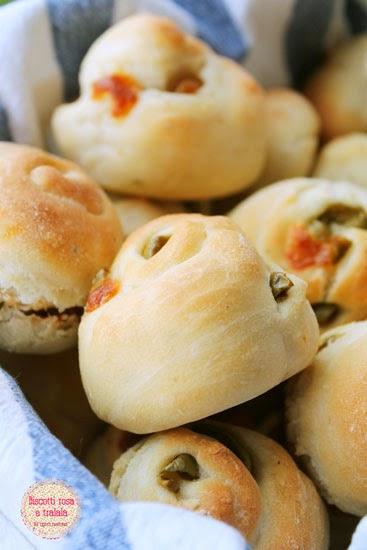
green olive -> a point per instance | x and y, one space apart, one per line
325 312
154 245
182 467
352 216
324 343
280 284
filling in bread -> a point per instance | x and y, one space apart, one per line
342 214
76 311
279 284
329 340
154 245
184 84
310 247
11 306
122 89
102 291
315 245
182 467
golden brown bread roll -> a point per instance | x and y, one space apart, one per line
327 417
161 115
338 89
344 158
255 487
292 133
315 229
133 212
52 385
190 321
57 229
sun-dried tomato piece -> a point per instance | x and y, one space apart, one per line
101 293
123 89
306 250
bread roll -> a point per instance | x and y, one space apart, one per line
292 134
161 115
338 89
327 412
255 486
190 321
57 229
344 158
315 229
133 213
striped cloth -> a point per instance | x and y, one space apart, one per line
42 43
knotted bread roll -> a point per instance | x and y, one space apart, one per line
235 475
190 321
338 89
161 115
316 229
327 412
57 229
344 159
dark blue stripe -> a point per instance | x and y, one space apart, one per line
76 24
356 12
100 523
304 38
216 27
5 134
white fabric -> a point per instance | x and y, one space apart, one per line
156 526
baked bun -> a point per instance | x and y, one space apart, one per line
327 414
292 134
161 115
57 229
190 321
339 89
255 486
344 158
315 229
133 213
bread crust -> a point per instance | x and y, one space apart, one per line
170 144
192 330
270 217
57 229
327 422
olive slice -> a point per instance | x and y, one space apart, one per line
218 431
325 312
352 216
154 245
324 344
182 467
280 284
